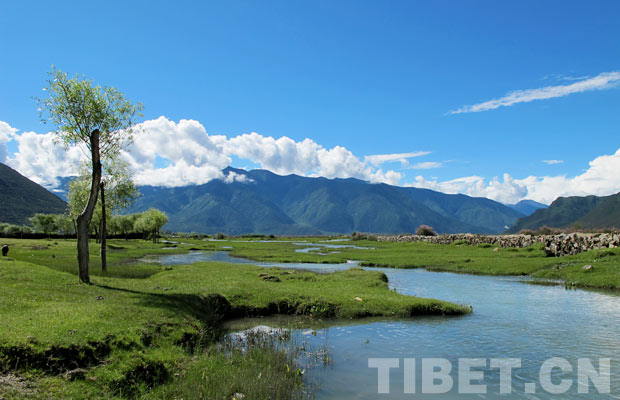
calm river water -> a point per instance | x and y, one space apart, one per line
511 319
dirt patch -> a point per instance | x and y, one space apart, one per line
37 247
12 385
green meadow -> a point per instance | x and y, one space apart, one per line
143 330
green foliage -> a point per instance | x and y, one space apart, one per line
45 223
120 192
151 221
76 107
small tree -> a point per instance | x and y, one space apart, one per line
64 224
124 224
99 118
117 193
425 230
151 222
45 223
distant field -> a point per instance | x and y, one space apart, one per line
457 257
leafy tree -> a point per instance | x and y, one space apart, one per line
45 223
99 118
123 224
64 224
117 193
151 222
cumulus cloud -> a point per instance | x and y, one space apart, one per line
286 156
43 160
192 156
601 179
6 135
378 159
509 191
602 81
553 162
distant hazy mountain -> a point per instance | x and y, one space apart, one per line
577 212
527 207
21 198
259 201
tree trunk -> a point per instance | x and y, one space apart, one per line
104 261
83 220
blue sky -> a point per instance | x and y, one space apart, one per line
370 77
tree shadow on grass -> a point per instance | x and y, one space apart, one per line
210 309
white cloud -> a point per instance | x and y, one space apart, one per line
308 158
602 81
235 177
426 165
43 160
6 135
378 159
601 179
508 191
282 156
193 156
553 162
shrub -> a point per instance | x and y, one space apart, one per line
425 230
363 236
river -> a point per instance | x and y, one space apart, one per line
511 320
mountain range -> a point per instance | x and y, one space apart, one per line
527 207
575 212
259 202
21 198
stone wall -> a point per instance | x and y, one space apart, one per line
554 245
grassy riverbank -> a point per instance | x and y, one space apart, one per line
457 257
143 330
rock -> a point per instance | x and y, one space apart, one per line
99 297
262 274
75 374
588 268
271 278
238 396
358 299
554 245
496 249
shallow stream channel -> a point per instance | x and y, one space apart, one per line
526 341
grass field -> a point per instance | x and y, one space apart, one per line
147 331
457 257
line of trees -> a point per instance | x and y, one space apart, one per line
148 224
